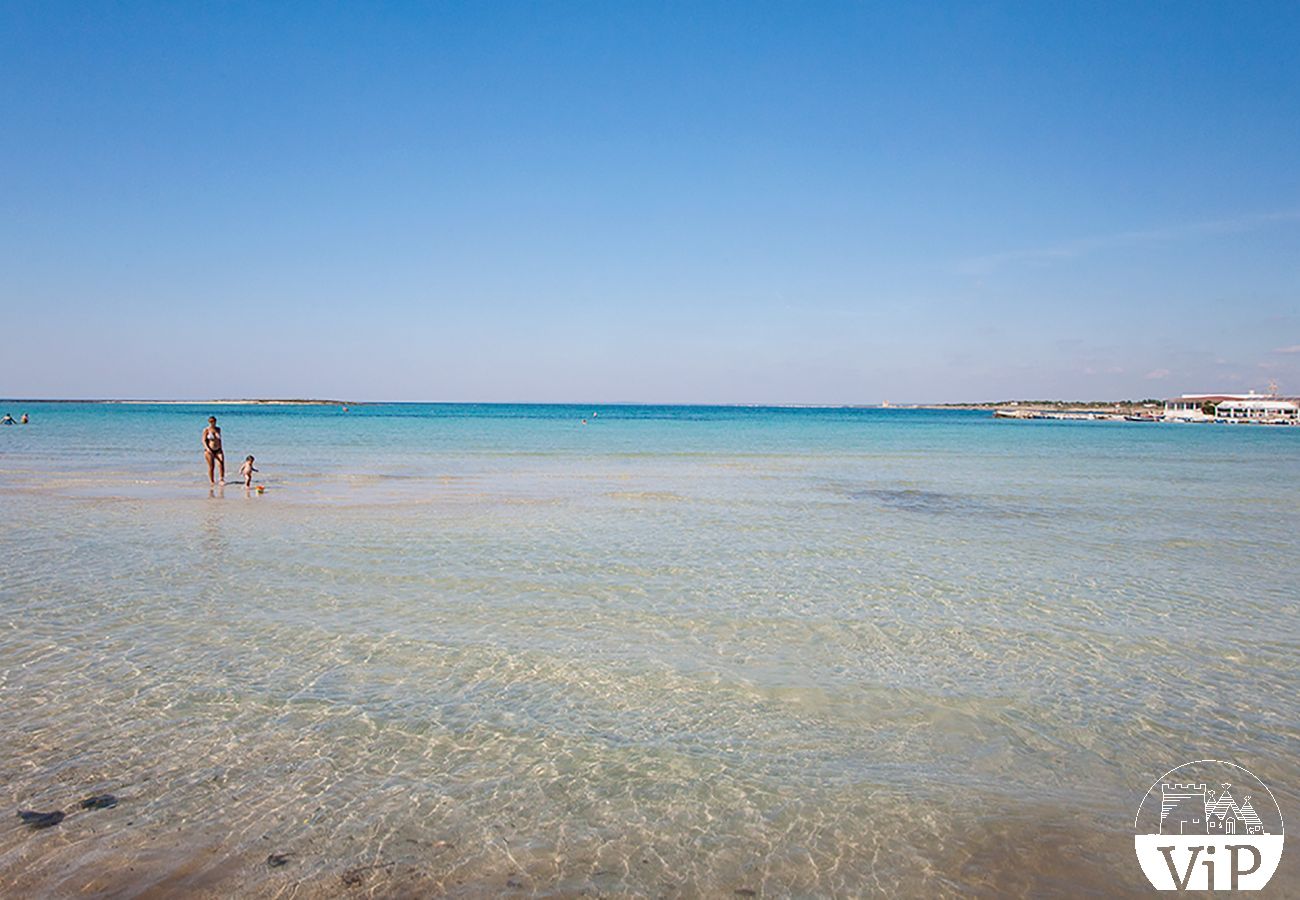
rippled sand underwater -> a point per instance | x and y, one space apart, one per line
807 655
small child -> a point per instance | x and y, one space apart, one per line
247 471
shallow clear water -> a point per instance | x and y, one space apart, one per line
673 652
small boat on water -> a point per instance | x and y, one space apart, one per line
1016 414
1140 419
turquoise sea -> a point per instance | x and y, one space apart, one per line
677 651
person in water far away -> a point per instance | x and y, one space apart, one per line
212 450
247 471
7 420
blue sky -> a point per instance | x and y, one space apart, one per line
676 202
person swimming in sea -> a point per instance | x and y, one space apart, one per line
7 420
212 451
23 420
247 471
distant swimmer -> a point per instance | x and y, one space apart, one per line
247 471
584 421
212 451
7 420
23 420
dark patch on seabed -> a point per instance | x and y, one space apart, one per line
932 502
33 819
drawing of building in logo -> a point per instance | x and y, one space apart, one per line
1182 808
1191 809
1194 834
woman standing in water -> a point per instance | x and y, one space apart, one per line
212 450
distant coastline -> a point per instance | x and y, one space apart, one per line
247 402
1119 406
1053 405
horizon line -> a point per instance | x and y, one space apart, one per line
305 401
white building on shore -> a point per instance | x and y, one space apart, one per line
1192 407
1251 407
1262 410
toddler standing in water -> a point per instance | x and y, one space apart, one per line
247 471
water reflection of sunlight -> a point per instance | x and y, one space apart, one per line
214 544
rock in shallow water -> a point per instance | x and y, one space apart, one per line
99 801
40 819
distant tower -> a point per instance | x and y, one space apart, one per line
1272 388
1182 808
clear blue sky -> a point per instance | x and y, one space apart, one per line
697 202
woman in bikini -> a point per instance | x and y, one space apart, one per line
212 450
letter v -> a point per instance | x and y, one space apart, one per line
1191 864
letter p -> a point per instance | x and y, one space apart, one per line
1237 870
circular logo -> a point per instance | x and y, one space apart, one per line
1208 825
